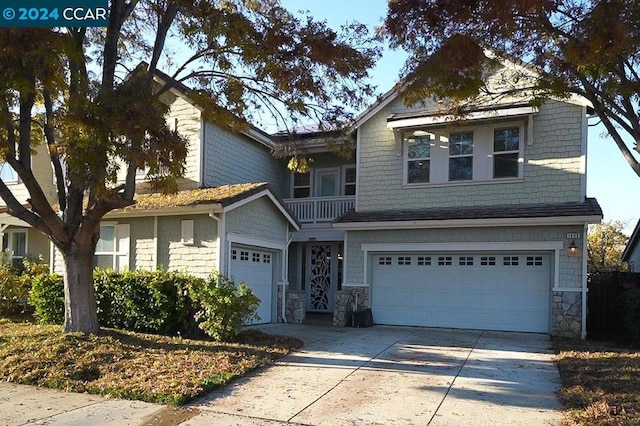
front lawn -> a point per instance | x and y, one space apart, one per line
600 382
146 367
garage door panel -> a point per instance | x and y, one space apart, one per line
255 268
465 290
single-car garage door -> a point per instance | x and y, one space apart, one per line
490 291
254 267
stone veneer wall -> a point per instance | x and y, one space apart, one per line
294 306
566 313
344 302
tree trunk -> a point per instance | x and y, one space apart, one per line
80 312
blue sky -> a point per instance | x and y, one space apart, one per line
609 177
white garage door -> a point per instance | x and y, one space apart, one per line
255 268
489 291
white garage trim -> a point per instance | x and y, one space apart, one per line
466 223
241 239
554 246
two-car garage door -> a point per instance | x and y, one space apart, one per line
492 291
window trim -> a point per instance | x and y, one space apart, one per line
344 180
456 156
293 186
433 138
14 181
482 157
117 254
518 151
10 233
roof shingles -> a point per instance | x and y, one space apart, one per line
589 207
225 195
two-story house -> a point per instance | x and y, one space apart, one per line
433 221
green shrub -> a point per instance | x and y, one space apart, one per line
47 297
15 282
155 302
630 303
224 307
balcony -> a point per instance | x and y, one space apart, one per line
319 209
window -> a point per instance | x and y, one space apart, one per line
444 260
255 257
404 260
244 255
465 261
418 157
487 261
106 247
186 232
234 254
7 174
506 150
534 260
266 258
424 260
384 260
15 241
349 181
510 261
461 156
301 185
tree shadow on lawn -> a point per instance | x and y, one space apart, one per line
599 380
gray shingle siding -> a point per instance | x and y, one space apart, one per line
234 158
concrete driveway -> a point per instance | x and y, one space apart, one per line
395 375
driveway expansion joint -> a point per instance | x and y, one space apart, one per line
475 345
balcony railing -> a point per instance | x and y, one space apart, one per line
319 209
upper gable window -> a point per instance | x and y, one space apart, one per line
506 151
418 157
461 156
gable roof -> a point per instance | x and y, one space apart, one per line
185 92
219 199
632 243
396 91
504 215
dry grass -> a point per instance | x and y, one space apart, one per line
600 382
168 370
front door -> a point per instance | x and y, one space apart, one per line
320 292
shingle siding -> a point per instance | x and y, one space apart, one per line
198 259
259 220
234 158
552 169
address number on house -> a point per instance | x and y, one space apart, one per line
574 235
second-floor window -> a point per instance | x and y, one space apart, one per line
301 185
482 153
349 181
506 150
461 156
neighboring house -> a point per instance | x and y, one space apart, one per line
631 253
17 236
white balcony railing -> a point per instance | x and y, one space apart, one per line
319 209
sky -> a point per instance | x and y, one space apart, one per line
610 179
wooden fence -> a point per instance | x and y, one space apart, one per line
603 315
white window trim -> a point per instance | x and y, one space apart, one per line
293 186
344 179
12 181
10 233
519 151
405 151
121 237
472 154
479 161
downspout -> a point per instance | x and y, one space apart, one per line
285 275
155 243
583 333
218 238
